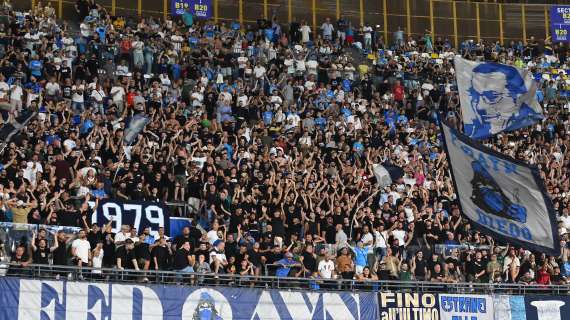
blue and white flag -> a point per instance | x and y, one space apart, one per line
503 197
495 97
136 125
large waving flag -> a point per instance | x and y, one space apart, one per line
495 97
503 197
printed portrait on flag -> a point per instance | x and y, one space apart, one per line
503 197
495 97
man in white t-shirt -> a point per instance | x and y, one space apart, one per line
16 95
52 89
77 98
326 267
118 95
213 234
81 249
381 236
259 71
4 90
327 29
218 258
305 33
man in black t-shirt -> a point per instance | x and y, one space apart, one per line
309 261
183 259
60 253
161 255
126 258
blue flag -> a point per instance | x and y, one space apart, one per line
495 98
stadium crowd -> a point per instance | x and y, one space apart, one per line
268 133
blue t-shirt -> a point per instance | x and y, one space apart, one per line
267 117
283 271
36 68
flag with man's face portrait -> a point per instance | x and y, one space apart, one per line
495 98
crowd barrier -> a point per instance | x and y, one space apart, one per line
30 299
105 275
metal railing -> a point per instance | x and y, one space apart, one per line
51 272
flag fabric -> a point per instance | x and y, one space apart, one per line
386 174
503 197
136 125
495 98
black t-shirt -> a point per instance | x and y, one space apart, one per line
309 262
93 238
420 268
181 259
127 257
60 255
66 90
142 251
69 218
162 257
476 267
41 256
205 253
181 239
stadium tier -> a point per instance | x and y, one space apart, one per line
184 167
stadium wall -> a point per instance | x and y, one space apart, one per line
66 300
455 20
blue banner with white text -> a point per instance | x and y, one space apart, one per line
23 299
137 214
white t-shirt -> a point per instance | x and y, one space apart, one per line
290 63
326 268
312 67
242 62
98 95
219 256
381 238
305 31
177 42
16 93
212 236
367 32
400 235
30 171
78 93
259 71
565 221
98 261
120 94
52 88
4 88
82 248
